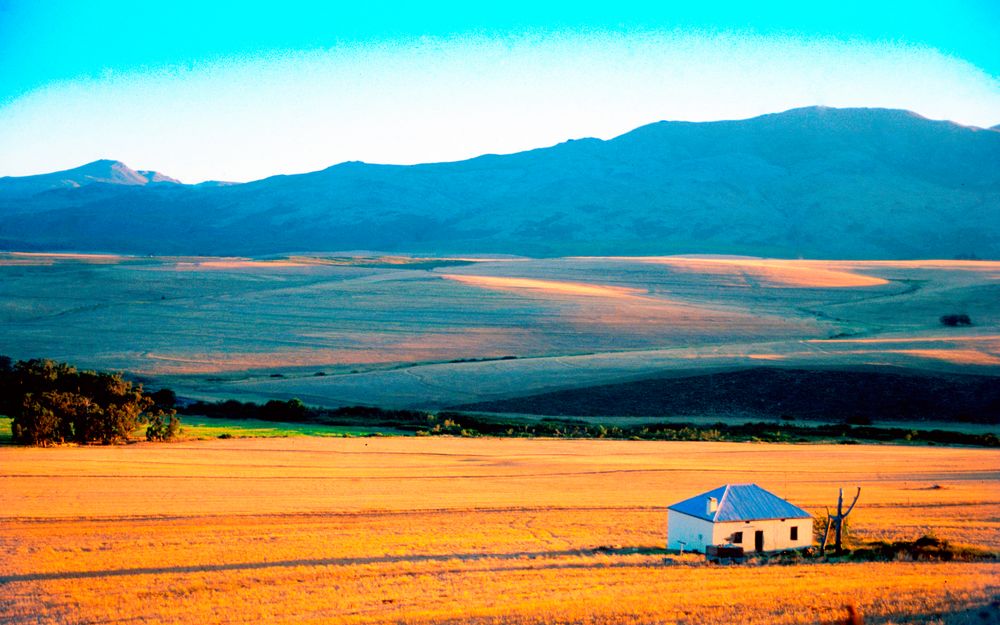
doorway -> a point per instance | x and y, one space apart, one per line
758 540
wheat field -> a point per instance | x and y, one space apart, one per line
447 530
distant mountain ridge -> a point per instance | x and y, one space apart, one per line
813 182
98 172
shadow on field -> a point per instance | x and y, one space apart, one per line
984 614
238 566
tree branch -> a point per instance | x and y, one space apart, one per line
853 502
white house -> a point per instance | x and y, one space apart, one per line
744 515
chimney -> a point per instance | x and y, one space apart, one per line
712 506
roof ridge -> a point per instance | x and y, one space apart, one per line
722 499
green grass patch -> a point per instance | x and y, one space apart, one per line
211 427
207 427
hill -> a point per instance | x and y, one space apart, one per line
99 172
869 393
814 182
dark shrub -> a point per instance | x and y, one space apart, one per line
37 423
163 426
956 320
164 399
292 410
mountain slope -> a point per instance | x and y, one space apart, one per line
98 172
815 182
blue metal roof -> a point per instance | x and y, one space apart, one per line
740 502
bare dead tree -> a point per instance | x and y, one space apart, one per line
836 521
826 532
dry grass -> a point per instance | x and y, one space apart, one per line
546 287
236 263
453 530
956 356
752 272
44 259
382 349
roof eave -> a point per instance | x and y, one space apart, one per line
768 518
693 516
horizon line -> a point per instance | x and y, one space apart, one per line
489 154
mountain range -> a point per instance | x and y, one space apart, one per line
812 182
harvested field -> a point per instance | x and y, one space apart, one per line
440 530
401 331
773 273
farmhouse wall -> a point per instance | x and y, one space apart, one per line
777 533
696 533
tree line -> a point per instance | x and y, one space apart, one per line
54 402
422 423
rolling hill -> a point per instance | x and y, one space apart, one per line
813 182
862 394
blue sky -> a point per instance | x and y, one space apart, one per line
243 90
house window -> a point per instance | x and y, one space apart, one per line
795 532
737 538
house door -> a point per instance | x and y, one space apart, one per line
758 540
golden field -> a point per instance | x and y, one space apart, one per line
443 530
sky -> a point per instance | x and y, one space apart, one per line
243 90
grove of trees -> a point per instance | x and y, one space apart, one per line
53 402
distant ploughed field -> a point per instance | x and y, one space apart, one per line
417 332
449 530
